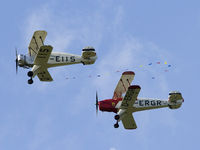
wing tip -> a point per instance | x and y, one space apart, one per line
134 87
131 128
41 31
128 73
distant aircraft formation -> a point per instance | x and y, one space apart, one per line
125 106
40 57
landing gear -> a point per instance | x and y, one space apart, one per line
30 81
116 125
117 117
30 74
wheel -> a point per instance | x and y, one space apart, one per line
30 73
30 81
117 117
116 125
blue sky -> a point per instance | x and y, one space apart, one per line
125 34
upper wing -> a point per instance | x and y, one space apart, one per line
43 55
130 97
44 75
36 42
123 84
129 122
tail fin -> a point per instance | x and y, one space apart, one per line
175 100
88 55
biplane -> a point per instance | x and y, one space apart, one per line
125 101
40 57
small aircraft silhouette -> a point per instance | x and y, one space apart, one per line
125 106
40 57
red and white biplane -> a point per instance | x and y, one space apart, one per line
125 106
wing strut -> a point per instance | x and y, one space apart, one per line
128 82
36 42
123 84
42 40
32 50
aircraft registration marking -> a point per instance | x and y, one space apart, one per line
145 103
63 59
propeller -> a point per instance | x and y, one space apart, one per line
16 60
97 103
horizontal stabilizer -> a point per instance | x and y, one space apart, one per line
88 52
175 100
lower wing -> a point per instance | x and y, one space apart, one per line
44 75
128 121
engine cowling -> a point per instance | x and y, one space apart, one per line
175 99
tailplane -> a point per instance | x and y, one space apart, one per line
175 100
88 55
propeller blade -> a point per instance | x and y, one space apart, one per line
97 103
16 60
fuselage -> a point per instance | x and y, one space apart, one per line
55 59
113 105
